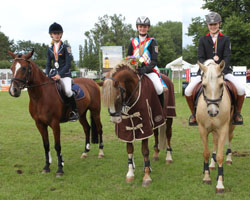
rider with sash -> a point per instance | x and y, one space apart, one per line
215 46
146 50
60 54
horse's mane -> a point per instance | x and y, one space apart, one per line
108 89
123 65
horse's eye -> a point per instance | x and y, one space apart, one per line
204 86
221 85
23 69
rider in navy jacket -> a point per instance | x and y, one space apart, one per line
59 69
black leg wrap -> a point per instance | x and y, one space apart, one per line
147 164
220 173
101 145
228 151
130 161
206 168
214 157
169 149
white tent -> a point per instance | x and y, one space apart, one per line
178 66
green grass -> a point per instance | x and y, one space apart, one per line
92 178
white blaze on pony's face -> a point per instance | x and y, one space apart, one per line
212 82
14 91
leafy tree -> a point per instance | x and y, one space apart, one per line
5 43
109 30
169 40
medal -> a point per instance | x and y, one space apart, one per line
216 58
56 55
56 65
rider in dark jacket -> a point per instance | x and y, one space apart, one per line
60 54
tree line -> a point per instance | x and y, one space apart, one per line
235 24
107 31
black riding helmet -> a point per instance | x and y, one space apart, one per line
213 18
55 28
143 21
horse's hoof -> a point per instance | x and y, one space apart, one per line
146 183
100 155
84 155
155 158
219 190
229 162
212 168
45 171
59 174
169 162
129 179
207 182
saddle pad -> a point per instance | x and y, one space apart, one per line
78 91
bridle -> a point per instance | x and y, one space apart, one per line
213 101
124 103
25 81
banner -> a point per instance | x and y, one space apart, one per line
111 56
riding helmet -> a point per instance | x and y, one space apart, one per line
213 18
55 28
143 21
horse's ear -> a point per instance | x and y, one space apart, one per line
11 54
29 55
222 65
202 67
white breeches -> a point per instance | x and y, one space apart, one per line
239 87
156 82
67 86
189 89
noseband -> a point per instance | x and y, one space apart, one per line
213 101
124 102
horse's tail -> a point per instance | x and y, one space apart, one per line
94 133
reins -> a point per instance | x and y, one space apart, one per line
27 76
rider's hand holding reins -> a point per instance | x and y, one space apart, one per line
56 77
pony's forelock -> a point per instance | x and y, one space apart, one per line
108 93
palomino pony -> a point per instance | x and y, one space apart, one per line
47 108
121 93
214 114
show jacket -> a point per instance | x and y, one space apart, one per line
64 60
206 50
153 51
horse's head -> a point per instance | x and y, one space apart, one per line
213 85
119 90
21 70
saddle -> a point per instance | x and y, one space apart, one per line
229 86
78 93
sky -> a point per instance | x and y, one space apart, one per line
30 19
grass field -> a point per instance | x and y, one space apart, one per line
21 150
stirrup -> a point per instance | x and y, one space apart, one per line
239 122
192 121
73 116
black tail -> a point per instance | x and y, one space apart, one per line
94 134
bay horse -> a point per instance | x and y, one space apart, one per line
47 108
214 114
120 92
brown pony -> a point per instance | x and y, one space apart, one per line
214 114
47 108
121 89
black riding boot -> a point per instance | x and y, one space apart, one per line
161 98
73 116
